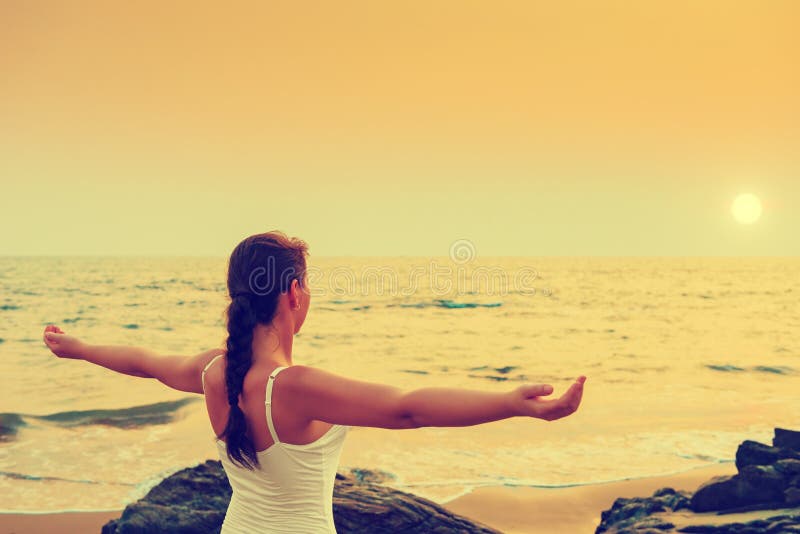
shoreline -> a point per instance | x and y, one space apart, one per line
510 509
575 509
579 484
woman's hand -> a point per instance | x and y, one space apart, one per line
61 344
528 400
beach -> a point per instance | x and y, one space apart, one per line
576 510
433 213
513 510
683 364
58 523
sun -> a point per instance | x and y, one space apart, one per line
746 208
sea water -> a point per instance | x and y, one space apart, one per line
685 358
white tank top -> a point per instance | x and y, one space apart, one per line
291 491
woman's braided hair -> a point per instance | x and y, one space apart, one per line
261 267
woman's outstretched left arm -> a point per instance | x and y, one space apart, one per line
178 372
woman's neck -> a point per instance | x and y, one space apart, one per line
272 344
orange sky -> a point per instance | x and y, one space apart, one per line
378 128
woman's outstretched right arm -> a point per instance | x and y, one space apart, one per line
176 371
324 396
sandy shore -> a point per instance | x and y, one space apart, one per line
510 510
61 523
575 510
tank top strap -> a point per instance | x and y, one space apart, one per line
268 402
209 364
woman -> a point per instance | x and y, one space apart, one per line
280 439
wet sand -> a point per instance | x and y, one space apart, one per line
516 510
59 523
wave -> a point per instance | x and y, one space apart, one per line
470 485
9 425
137 416
726 368
503 370
435 303
446 303
499 374
37 478
149 286
777 369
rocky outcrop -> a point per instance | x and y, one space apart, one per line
755 453
754 487
768 478
625 513
194 500
789 439
778 524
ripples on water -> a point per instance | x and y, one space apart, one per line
685 359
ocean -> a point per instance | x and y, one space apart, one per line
685 358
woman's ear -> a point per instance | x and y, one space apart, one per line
294 295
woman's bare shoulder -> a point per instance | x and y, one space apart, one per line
214 375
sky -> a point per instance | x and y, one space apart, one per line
530 128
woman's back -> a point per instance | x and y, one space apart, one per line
292 489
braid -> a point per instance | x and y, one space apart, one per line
241 322
273 261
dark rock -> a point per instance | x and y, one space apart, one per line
766 481
380 509
755 484
626 512
789 439
780 524
191 500
674 500
717 493
768 478
787 467
194 500
755 453
652 525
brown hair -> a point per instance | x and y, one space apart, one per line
260 268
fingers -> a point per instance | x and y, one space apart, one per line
575 393
51 328
566 404
571 399
47 329
536 390
52 334
577 386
